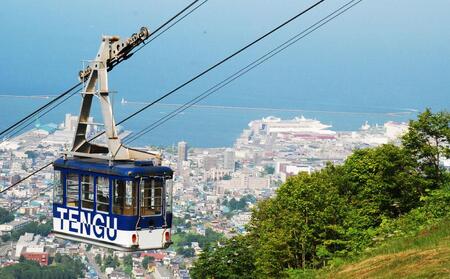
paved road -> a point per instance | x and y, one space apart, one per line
91 260
4 249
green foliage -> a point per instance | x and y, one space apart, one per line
98 259
240 204
301 273
421 253
381 182
6 237
128 260
302 226
322 218
110 261
5 216
435 208
58 258
32 154
234 259
67 268
33 227
128 264
186 252
185 239
146 261
269 169
428 141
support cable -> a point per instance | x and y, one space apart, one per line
19 130
29 118
245 69
170 26
26 177
31 115
34 113
189 81
301 13
223 61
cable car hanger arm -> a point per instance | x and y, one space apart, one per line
112 51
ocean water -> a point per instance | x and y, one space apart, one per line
380 61
203 126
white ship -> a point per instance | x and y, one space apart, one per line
298 125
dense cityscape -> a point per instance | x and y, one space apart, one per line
214 190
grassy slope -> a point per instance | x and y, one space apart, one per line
426 255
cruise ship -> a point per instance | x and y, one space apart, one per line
298 125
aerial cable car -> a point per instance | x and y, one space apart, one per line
111 195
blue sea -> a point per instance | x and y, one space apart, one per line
380 61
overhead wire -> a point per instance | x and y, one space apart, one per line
30 116
336 13
223 61
201 74
26 177
229 57
170 26
31 198
19 130
28 119
190 81
23 121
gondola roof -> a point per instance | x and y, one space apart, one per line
119 168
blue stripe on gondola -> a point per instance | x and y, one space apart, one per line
126 223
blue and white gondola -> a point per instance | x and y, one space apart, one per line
109 194
125 206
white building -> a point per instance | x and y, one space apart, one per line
395 129
26 240
229 159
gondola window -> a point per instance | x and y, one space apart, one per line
58 188
72 190
87 192
102 194
124 197
151 196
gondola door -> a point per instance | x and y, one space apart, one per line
151 209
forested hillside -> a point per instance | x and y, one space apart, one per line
317 222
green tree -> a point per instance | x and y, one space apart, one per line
33 227
269 169
233 259
226 177
232 204
146 261
5 216
98 259
339 211
428 140
381 181
128 260
6 237
177 221
128 265
58 258
68 268
186 252
305 217
110 261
